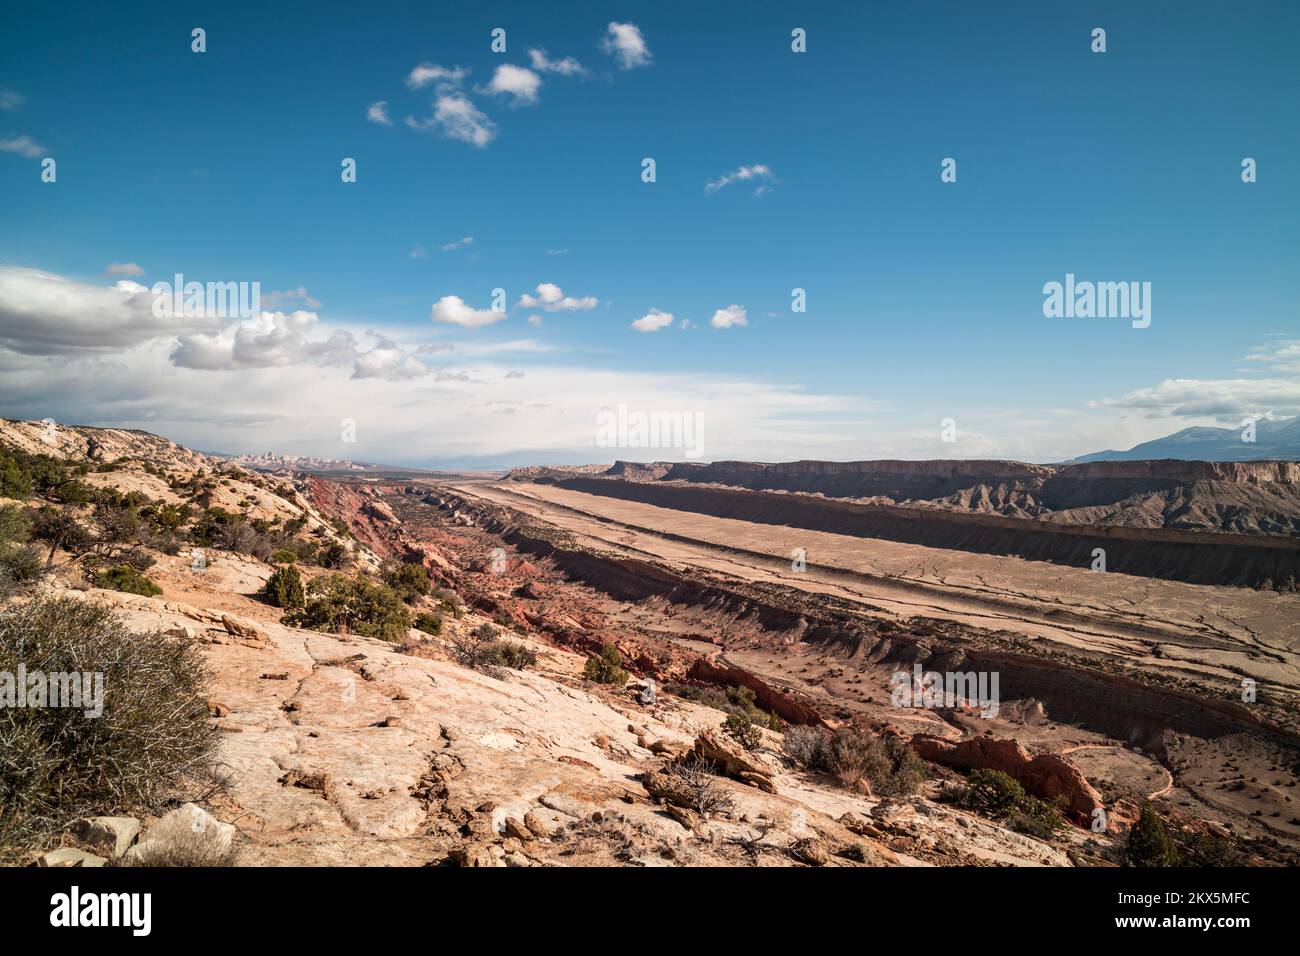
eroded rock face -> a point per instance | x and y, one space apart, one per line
1046 776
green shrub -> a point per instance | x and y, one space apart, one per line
606 667
1001 797
284 588
429 623
153 741
729 700
333 555
515 655
1149 843
356 605
123 577
409 580
741 728
284 556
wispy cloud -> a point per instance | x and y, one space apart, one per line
457 244
11 101
759 172
565 67
124 269
23 145
445 77
624 42
457 118
378 113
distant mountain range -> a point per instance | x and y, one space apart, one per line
1279 440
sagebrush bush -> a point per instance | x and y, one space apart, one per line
153 741
482 651
890 766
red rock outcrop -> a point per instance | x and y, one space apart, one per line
1046 776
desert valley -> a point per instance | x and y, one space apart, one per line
679 665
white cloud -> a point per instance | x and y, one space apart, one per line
551 298
653 321
1219 398
516 82
298 296
457 244
23 145
565 67
386 360
536 320
452 310
446 78
46 314
557 252
1280 356
744 174
10 101
123 269
732 315
417 252
624 42
378 113
457 118
272 340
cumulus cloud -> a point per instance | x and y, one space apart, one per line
516 82
565 67
624 42
453 310
388 361
272 340
446 78
123 269
46 314
763 174
377 112
653 321
732 315
23 146
551 298
457 118
457 244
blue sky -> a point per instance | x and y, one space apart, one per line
924 298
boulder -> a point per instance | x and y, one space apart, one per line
734 761
67 856
113 835
190 830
